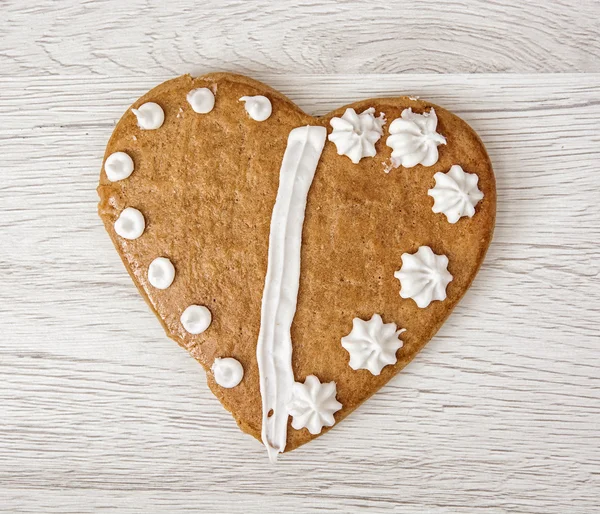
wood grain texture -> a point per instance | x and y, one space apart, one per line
499 413
100 412
140 37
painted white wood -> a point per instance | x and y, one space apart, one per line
100 412
137 37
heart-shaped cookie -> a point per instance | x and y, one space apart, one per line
302 261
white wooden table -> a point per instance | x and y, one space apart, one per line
100 412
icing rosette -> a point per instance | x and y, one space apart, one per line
455 193
372 344
355 135
313 405
423 276
414 140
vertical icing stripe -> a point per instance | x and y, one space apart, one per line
274 348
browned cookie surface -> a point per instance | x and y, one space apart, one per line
206 185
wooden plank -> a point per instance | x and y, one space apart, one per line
499 413
134 38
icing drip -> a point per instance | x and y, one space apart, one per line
274 348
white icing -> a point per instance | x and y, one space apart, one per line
455 193
313 405
118 166
372 344
161 273
202 100
414 140
196 319
228 372
150 116
274 348
130 224
423 276
355 135
258 107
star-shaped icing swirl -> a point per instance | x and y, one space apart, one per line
372 344
313 405
414 140
455 193
423 276
355 135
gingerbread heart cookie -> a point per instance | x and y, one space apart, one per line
302 261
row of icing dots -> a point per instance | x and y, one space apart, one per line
151 116
195 319
130 225
202 101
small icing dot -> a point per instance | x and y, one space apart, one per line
228 372
161 273
196 319
258 107
150 116
130 224
118 166
202 100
